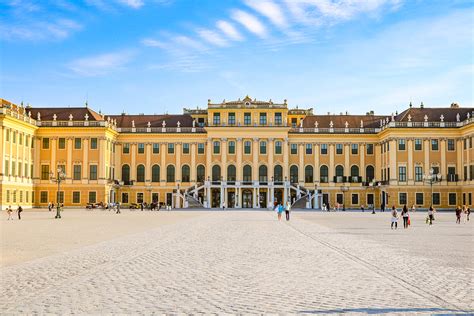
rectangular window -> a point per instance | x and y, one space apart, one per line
216 120
20 141
77 172
419 199
93 172
44 197
294 149
294 122
338 149
247 147
8 196
263 118
7 169
278 147
8 135
324 149
126 148
247 118
27 140
19 169
355 199
418 173
402 173
124 197
186 148
452 198
436 198
45 143
140 197
14 140
76 197
451 146
355 149
94 143
21 192
231 147
278 119
61 143
263 148
92 197
77 143
170 148
156 148
465 143
200 148
44 172
13 168
401 144
216 147
402 198
418 144
141 148
26 170
434 144
231 118
309 149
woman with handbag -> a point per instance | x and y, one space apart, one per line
405 216
394 218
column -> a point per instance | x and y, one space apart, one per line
37 165
178 152
443 159
301 152
393 160
102 158
118 161
163 163
2 152
255 159
254 197
285 159
69 158
193 162
85 159
331 162
148 162
224 159
53 149
378 162
239 162
270 159
362 161
208 158
459 164
426 151
410 159
133 163
347 167
316 162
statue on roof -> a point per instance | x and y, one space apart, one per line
38 116
331 124
194 123
148 124
55 117
133 123
178 124
441 118
163 123
316 124
86 117
458 117
409 117
70 117
301 123
346 124
361 124
425 118
468 115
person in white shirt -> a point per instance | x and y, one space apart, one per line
287 210
394 217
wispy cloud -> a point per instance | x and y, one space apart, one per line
212 37
229 30
269 9
135 4
41 30
102 64
250 22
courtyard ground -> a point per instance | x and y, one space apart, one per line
95 262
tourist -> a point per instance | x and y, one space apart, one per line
430 217
118 208
362 207
10 211
413 208
405 216
50 206
382 207
468 212
141 206
458 214
394 217
288 210
464 214
279 210
19 210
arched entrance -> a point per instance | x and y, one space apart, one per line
247 199
215 198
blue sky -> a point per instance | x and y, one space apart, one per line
157 56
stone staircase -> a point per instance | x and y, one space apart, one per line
301 202
192 202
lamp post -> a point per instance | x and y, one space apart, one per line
60 177
373 185
344 189
432 178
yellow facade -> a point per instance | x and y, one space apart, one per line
243 153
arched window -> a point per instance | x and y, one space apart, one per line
354 173
201 173
278 173
231 173
369 173
140 173
247 173
216 173
308 174
155 173
262 174
126 173
294 174
185 173
324 174
170 173
339 174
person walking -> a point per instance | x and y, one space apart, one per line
458 214
431 212
394 218
468 212
288 210
50 206
9 212
413 208
405 216
277 210
141 206
19 210
118 208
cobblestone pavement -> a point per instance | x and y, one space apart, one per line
244 262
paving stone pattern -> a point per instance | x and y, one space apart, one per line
235 262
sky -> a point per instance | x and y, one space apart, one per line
158 56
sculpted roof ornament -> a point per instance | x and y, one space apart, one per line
331 124
458 117
133 123
70 117
55 117
425 118
86 117
178 124
361 124
409 117
468 115
441 118
346 124
39 116
316 124
163 124
148 124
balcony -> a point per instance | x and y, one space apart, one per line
452 177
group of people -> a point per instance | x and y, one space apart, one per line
9 210
405 216
462 210
279 208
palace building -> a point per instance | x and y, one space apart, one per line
238 154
